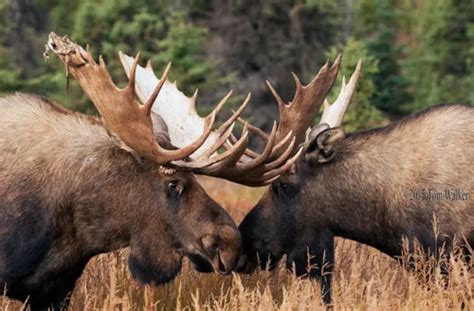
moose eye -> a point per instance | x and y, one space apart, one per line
175 188
285 190
173 185
278 187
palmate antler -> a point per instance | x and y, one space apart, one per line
333 114
131 122
296 116
184 123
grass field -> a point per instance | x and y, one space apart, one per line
364 279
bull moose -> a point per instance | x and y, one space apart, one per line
73 186
376 187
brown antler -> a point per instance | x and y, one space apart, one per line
255 171
122 114
297 115
183 120
131 122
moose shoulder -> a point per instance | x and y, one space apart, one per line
73 186
376 187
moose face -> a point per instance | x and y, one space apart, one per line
269 229
281 222
181 220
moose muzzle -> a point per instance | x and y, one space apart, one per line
219 253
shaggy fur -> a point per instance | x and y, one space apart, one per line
382 186
67 193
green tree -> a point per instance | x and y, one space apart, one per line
162 31
8 76
378 25
441 65
183 45
26 71
159 32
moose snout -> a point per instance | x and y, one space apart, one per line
223 250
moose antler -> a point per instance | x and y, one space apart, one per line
132 122
122 114
296 116
333 114
184 122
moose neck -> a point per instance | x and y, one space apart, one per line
106 216
92 192
360 194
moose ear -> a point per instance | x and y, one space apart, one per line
323 143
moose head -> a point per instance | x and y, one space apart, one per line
277 224
126 179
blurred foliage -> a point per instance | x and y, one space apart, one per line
416 53
441 63
378 25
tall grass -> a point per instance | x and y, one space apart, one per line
364 279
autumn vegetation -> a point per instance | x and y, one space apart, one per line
364 279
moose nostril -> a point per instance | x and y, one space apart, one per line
209 243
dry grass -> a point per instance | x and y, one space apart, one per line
364 279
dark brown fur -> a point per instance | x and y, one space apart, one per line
368 193
67 193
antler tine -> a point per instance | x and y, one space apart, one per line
223 133
227 164
271 180
283 156
264 137
267 151
221 103
299 87
261 134
235 115
218 143
281 144
206 161
333 114
275 94
151 100
190 149
255 172
133 70
288 164
248 152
